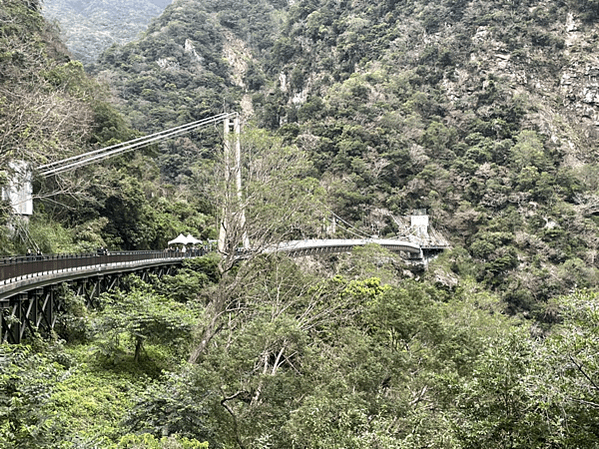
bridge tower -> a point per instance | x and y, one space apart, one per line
19 190
232 185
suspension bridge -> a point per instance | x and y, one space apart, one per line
30 286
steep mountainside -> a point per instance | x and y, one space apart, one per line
484 113
90 26
192 62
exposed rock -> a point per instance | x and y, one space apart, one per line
189 48
443 278
570 24
237 55
283 82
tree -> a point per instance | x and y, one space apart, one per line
26 384
176 407
41 93
569 360
141 316
279 201
529 151
500 405
279 198
276 347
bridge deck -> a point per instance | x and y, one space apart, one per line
301 247
25 272
17 284
27 295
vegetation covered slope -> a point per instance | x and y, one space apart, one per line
398 105
90 27
301 359
482 112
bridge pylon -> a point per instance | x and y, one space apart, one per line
234 194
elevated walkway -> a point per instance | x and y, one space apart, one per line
24 273
29 284
296 248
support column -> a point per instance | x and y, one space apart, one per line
47 315
18 328
3 306
113 281
224 224
234 193
237 129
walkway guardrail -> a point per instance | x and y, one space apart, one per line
29 300
18 268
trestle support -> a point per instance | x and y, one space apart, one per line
36 310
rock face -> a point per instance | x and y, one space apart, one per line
89 27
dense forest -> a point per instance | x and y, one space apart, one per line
482 112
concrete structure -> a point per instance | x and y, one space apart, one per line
19 190
419 224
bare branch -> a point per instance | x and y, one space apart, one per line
580 368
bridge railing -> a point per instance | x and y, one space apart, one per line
22 267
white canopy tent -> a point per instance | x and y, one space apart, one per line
184 240
191 240
180 239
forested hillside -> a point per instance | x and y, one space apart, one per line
482 112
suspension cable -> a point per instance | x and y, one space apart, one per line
357 232
81 160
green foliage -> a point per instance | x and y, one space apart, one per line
51 236
176 407
439 139
528 392
340 360
73 325
570 355
148 441
404 315
90 402
89 236
320 364
191 280
371 261
497 404
140 317
529 151
487 243
109 126
26 384
185 285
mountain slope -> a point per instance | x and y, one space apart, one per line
188 66
482 112
90 27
